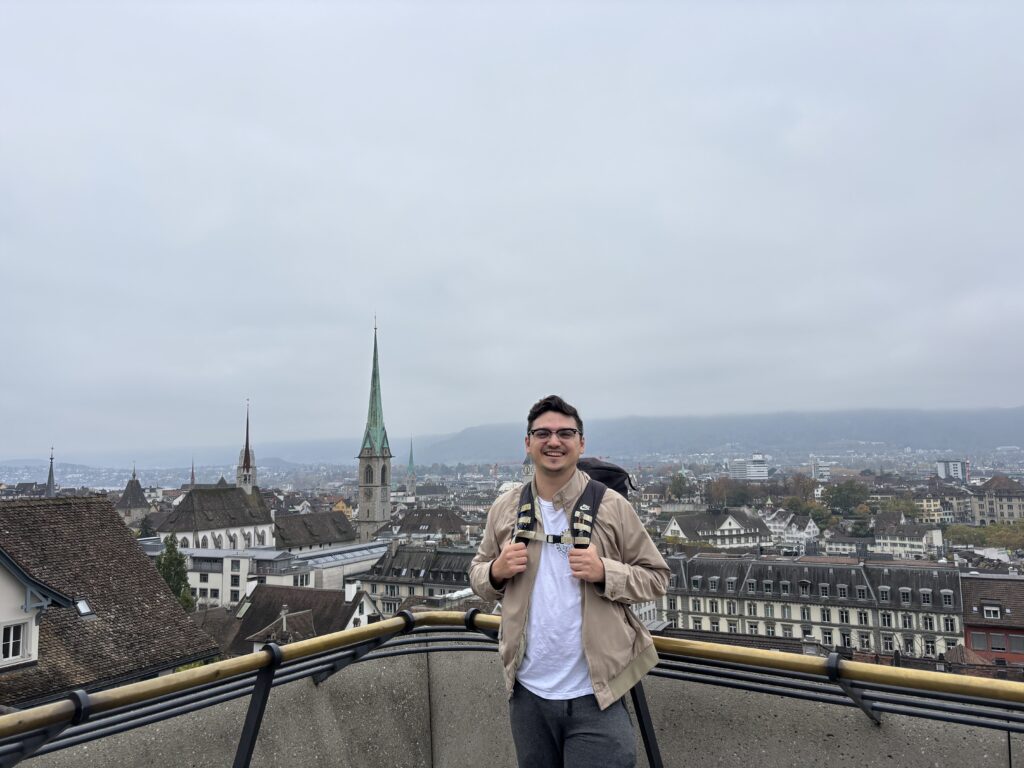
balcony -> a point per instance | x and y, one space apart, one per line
708 705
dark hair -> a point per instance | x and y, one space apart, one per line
556 404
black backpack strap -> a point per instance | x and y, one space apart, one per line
526 516
585 513
583 516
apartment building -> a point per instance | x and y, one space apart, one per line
1000 500
877 607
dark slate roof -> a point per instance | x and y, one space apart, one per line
1006 592
416 565
133 496
312 529
816 571
80 547
437 521
203 509
328 611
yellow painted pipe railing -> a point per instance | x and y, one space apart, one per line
136 693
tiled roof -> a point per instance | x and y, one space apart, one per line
205 509
1004 592
80 547
1002 485
312 529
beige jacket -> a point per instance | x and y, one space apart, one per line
618 648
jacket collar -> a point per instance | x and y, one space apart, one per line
568 494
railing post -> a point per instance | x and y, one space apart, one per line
257 706
643 719
832 667
83 708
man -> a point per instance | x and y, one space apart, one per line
570 645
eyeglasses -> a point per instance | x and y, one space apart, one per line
564 435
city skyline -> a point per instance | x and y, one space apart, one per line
651 210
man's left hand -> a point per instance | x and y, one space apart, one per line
586 565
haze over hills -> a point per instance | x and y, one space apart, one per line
959 431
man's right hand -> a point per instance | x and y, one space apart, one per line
510 562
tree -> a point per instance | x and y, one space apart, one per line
801 486
905 505
846 496
146 528
173 566
679 488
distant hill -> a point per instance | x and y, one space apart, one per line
962 431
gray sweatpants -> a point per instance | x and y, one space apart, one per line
573 733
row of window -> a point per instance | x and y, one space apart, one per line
218 540
823 590
997 641
846 638
886 618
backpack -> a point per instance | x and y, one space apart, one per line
603 476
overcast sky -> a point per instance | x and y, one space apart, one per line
661 208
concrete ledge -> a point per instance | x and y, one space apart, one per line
449 710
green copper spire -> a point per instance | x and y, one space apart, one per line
412 467
375 439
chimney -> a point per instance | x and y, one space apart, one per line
284 618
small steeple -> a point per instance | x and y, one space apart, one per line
51 486
246 452
192 481
133 470
375 438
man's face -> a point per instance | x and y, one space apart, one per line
554 455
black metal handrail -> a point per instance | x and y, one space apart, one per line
82 717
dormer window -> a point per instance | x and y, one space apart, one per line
992 611
730 585
905 595
695 583
713 583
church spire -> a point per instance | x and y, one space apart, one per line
375 438
193 480
245 474
51 486
246 452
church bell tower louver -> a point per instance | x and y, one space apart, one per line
374 506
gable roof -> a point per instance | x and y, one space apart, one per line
312 529
227 506
79 546
1003 591
327 612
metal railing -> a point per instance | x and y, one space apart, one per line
83 717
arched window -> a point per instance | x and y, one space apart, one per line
218 540
248 539
261 537
383 475
183 542
233 540
368 476
205 544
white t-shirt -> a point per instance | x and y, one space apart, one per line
554 666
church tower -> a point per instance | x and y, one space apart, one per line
374 508
245 474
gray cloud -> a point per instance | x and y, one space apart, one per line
736 207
